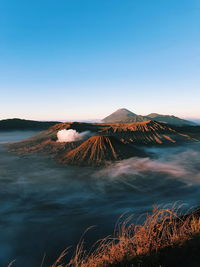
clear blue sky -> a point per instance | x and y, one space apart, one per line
82 59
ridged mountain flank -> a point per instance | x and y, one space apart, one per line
138 133
170 119
98 150
145 133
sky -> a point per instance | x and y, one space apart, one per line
83 59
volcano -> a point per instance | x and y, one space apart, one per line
124 115
98 150
170 119
138 134
145 133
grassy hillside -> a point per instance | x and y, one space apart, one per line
163 240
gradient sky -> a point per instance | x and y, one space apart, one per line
82 59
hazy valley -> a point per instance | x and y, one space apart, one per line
75 175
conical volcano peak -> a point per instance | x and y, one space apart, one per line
124 111
123 115
103 139
98 150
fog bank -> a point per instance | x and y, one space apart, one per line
45 207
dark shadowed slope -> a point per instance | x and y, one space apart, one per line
98 150
192 131
19 124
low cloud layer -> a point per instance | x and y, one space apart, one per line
79 196
138 166
182 164
71 135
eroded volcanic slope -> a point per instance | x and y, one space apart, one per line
98 150
140 133
146 133
110 142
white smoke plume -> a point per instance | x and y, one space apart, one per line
71 135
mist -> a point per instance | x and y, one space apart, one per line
177 163
45 207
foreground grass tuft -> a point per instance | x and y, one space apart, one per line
164 240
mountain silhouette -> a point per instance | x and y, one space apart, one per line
170 119
20 124
124 115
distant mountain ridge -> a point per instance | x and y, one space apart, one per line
124 115
20 124
170 119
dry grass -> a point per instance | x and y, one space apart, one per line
162 229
